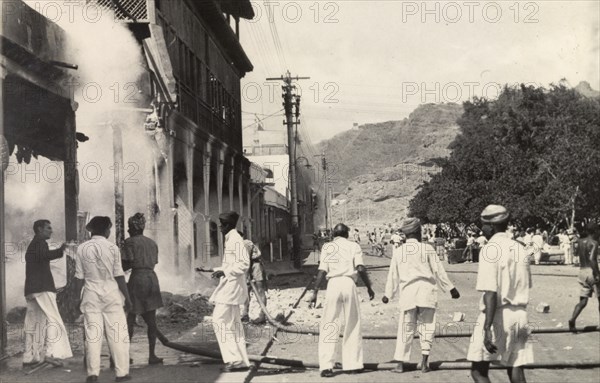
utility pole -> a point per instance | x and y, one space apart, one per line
328 212
289 99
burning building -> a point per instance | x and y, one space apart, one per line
158 101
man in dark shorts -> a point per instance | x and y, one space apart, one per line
141 255
589 275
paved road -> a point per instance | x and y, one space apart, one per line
556 285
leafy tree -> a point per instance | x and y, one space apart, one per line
530 150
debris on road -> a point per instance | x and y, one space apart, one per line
543 307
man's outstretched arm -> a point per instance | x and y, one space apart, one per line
362 271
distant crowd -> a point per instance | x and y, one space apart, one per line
536 239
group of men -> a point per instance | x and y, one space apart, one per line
109 305
415 275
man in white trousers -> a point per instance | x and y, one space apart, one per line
99 275
504 277
341 261
231 292
45 333
415 274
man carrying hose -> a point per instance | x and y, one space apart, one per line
341 261
46 337
504 277
415 273
229 295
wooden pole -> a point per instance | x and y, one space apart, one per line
119 185
220 177
206 165
71 180
3 328
66 299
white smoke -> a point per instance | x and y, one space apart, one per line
106 88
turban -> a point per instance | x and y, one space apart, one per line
411 225
494 214
137 222
230 217
98 224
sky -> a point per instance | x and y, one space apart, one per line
373 61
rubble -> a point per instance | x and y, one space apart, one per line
182 309
543 307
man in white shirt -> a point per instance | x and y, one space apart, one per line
565 245
100 278
341 261
504 277
415 273
538 245
231 292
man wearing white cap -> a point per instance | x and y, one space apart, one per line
415 273
229 295
504 277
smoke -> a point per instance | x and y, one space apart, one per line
107 88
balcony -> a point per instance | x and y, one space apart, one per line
129 11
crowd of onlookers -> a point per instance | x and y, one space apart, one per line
538 240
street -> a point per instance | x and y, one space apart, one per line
555 285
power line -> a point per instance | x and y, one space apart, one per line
268 116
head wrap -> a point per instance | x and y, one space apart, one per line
494 214
137 222
98 224
411 225
230 217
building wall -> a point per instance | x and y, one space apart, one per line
209 85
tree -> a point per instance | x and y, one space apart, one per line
528 150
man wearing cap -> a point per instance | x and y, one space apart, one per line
501 332
45 333
415 273
100 278
589 274
341 261
229 295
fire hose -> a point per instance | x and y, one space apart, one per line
446 334
440 365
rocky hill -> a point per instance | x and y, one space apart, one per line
584 88
377 168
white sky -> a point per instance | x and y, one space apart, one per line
381 59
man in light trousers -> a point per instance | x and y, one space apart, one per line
415 274
231 292
341 261
46 337
100 278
